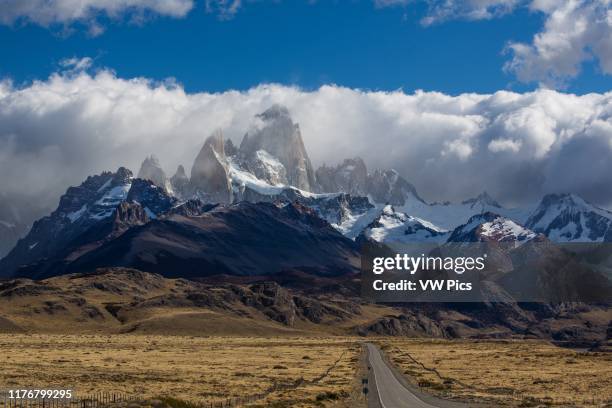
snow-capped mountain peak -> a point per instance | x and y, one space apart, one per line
275 133
482 201
94 202
392 226
488 226
570 218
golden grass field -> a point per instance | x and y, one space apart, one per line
524 373
193 369
204 369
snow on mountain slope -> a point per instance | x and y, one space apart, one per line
452 215
242 178
82 208
569 218
275 133
392 226
267 167
355 222
491 227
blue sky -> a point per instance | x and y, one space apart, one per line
354 44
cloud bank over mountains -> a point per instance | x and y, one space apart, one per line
55 132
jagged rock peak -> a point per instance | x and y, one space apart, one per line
277 135
180 182
154 199
483 199
274 112
122 176
350 176
210 172
388 187
152 170
180 172
230 148
217 142
130 213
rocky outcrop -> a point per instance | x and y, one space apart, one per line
151 170
266 167
210 173
388 187
192 208
405 325
180 182
351 176
154 199
277 135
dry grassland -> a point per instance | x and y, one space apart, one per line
188 368
524 373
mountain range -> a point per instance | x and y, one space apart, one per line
261 208
271 245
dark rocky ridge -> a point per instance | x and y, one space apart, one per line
241 239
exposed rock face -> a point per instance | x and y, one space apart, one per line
388 187
210 173
413 324
128 215
275 301
153 199
180 182
569 218
266 167
151 170
230 148
351 176
192 208
482 202
278 136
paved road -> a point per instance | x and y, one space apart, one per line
392 393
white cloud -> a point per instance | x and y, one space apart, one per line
575 31
225 9
391 3
443 10
501 145
76 64
65 12
54 133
